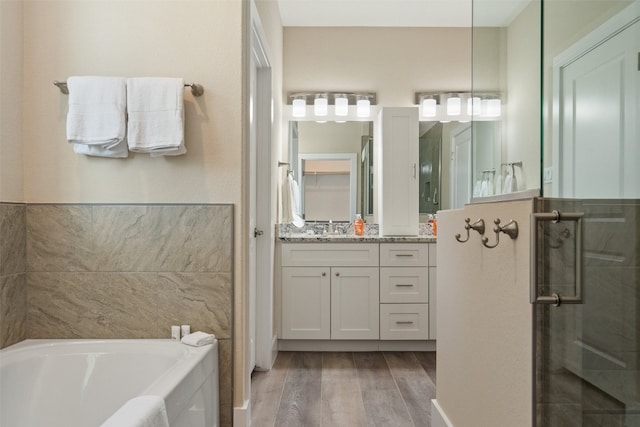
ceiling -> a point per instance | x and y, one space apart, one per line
398 13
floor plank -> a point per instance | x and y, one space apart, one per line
345 390
266 391
301 398
414 384
382 400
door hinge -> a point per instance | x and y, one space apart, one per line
257 232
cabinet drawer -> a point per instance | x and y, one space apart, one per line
404 284
404 321
330 254
404 254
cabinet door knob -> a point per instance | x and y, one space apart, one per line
337 274
324 274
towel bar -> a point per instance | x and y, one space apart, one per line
196 89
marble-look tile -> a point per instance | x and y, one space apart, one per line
127 305
59 238
13 238
94 305
202 300
225 364
13 309
195 238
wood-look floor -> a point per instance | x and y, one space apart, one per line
306 389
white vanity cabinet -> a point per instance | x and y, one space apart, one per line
330 291
397 149
404 291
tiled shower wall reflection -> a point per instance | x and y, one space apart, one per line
131 271
13 277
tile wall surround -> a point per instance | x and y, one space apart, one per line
13 277
129 271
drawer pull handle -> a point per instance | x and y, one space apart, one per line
405 255
404 322
404 285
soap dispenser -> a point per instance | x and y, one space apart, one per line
358 225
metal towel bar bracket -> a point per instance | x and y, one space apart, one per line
196 89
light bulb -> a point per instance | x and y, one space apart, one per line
453 106
429 107
299 108
320 106
363 108
342 106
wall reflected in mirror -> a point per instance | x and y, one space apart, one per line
333 163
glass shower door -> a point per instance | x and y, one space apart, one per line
587 312
586 230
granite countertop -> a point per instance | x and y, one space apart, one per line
317 233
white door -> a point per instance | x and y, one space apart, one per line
598 144
461 168
261 230
251 263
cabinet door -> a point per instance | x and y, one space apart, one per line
397 183
355 298
306 303
432 303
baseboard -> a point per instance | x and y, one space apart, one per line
242 415
355 345
438 417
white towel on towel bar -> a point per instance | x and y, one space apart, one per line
96 122
156 115
141 411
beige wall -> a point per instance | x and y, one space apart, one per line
11 49
197 40
484 320
522 124
393 62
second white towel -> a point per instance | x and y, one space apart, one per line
156 115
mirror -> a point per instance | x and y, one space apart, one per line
333 164
503 62
429 167
323 156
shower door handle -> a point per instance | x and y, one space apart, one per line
555 298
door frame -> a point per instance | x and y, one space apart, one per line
265 344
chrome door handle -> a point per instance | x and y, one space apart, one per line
555 298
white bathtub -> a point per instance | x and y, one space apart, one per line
81 383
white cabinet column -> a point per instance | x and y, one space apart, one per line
397 171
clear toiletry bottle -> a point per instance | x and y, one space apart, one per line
358 226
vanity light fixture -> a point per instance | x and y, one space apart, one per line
341 105
363 108
474 104
321 106
429 107
332 106
494 107
448 106
454 105
299 107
